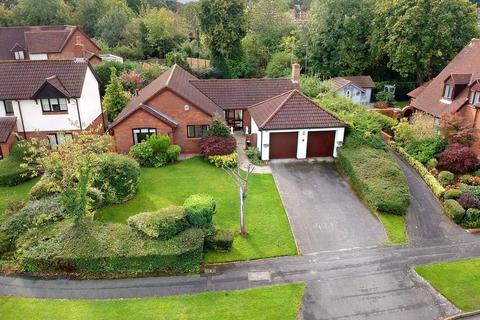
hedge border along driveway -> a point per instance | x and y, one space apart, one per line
269 231
275 302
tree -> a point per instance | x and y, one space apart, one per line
115 97
90 12
280 65
42 12
223 22
458 130
418 38
112 25
6 16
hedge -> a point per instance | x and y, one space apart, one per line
454 210
199 209
229 160
437 189
163 224
101 248
376 176
221 241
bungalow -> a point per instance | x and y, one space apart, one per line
47 99
456 89
359 89
181 106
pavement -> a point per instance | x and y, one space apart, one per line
324 212
243 161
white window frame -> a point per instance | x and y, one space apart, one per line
19 55
448 91
148 131
49 105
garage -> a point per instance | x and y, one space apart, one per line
283 145
320 144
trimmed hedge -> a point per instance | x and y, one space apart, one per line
200 209
221 241
454 210
99 248
446 178
163 224
452 194
437 189
472 219
376 176
229 160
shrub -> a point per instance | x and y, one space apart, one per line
457 130
229 160
217 146
143 153
96 198
468 200
159 144
477 173
218 128
432 164
14 205
279 65
452 194
474 190
386 122
425 149
44 188
474 181
446 178
222 241
471 218
6 243
163 224
458 159
464 178
385 96
12 173
173 152
117 177
199 209
253 154
454 210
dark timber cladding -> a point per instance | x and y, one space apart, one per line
320 144
283 145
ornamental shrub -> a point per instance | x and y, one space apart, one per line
229 161
163 224
464 178
199 209
425 149
452 194
6 243
471 219
468 200
45 187
253 154
96 197
159 144
173 152
474 190
432 164
218 128
446 178
143 153
117 177
458 159
222 241
454 210
217 146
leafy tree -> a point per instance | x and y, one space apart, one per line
457 129
6 16
90 12
419 37
223 22
219 128
115 97
41 12
112 25
256 52
280 65
179 58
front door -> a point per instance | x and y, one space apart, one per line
234 119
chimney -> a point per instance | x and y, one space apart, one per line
296 72
79 50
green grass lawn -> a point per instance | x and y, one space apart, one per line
267 223
395 228
273 302
401 104
17 192
458 281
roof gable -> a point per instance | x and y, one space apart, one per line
6 127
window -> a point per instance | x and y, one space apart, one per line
197 131
54 105
19 55
58 138
8 106
474 98
140 135
447 93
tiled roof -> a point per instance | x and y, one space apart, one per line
177 80
359 81
241 93
292 110
416 92
430 99
461 79
6 127
21 79
160 115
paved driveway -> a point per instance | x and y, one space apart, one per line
324 212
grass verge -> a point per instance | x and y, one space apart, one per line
395 227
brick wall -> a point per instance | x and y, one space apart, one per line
68 52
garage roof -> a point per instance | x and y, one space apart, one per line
292 110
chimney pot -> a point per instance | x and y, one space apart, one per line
296 72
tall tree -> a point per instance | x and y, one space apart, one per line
42 12
90 12
6 16
418 38
223 22
115 98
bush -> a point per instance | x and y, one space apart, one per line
117 177
159 144
468 200
280 65
163 224
425 149
376 176
253 154
222 241
477 173
452 194
432 164
44 188
12 173
474 190
454 210
471 219
387 97
143 153
199 209
6 243
465 178
173 152
458 159
386 122
217 146
229 161
218 128
446 178
96 197
35 213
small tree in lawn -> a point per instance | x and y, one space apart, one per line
456 129
115 98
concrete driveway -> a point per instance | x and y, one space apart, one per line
325 214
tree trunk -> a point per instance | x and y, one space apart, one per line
243 229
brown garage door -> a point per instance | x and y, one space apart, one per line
320 144
283 145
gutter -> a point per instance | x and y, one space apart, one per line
78 111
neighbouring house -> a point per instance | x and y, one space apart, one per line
456 89
47 43
111 57
359 89
8 129
48 99
181 106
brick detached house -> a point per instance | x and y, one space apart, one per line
455 90
181 106
47 43
47 99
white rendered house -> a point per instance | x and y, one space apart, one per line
359 89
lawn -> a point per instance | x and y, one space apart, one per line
17 192
458 281
273 302
395 228
401 104
267 223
